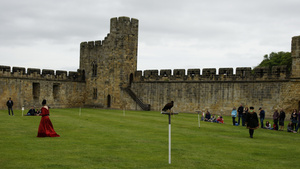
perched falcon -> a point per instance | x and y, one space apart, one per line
168 106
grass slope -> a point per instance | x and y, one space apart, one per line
101 138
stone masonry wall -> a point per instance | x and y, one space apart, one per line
29 89
218 93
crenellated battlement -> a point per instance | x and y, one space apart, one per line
90 45
124 25
210 74
118 27
44 74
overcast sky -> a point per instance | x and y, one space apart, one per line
188 34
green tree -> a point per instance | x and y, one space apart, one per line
277 59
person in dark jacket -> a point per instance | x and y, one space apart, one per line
252 121
207 116
294 118
275 119
31 112
262 117
9 105
281 119
298 126
240 114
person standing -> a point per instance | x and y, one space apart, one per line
240 113
233 115
294 117
298 126
275 119
9 105
281 119
246 112
244 115
262 117
252 121
46 127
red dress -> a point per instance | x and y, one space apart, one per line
46 127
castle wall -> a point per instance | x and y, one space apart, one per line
30 88
218 93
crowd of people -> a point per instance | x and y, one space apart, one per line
278 119
249 118
33 112
212 118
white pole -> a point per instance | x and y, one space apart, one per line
198 111
198 119
169 133
169 143
22 110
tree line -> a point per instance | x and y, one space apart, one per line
277 59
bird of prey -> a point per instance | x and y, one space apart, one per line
168 106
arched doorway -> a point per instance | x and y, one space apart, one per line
108 101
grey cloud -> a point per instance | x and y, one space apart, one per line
192 33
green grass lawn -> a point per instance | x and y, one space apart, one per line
100 138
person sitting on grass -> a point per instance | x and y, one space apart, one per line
220 119
38 112
207 116
31 112
290 128
213 119
268 126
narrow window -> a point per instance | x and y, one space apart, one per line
108 101
56 91
94 69
36 91
95 94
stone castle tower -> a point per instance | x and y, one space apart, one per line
109 65
296 57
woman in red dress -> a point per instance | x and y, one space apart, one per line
46 127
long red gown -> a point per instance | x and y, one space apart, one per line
46 127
